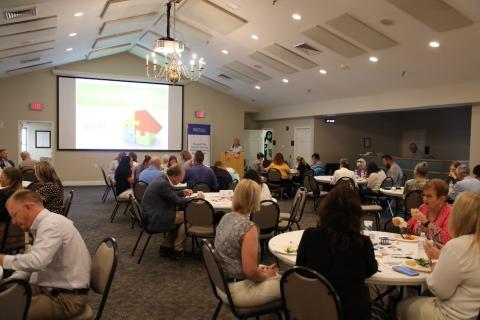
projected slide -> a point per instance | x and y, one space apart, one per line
101 114
121 115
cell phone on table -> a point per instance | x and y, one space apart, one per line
405 270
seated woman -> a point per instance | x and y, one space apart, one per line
454 281
361 168
50 188
375 177
172 160
186 159
302 166
253 175
338 251
165 162
10 181
452 174
236 246
280 164
420 172
344 171
432 216
124 178
224 178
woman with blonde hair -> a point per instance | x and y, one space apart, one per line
236 247
50 188
455 280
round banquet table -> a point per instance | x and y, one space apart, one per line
328 179
396 193
385 276
220 201
25 184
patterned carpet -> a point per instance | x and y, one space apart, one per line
158 288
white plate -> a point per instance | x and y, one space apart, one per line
399 238
417 267
282 250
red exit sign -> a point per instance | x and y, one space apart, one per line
36 106
199 114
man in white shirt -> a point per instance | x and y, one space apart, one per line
465 182
58 263
344 171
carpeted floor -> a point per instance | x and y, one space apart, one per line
158 288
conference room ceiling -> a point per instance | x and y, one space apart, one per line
335 36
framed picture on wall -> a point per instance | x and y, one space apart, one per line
43 139
367 142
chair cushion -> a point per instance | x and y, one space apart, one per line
87 314
271 306
323 193
371 208
284 216
283 224
199 231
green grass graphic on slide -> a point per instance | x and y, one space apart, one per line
115 96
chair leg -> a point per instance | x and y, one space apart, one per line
114 212
144 248
136 243
104 196
217 310
126 208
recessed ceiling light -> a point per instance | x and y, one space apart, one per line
73 34
78 14
434 44
224 51
373 59
258 87
323 71
254 37
285 80
69 49
296 16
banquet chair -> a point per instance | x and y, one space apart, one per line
13 238
67 204
15 298
233 185
413 200
287 220
109 185
221 290
313 190
306 294
104 264
29 175
266 220
118 202
139 189
199 219
201 186
403 181
348 181
274 181
308 172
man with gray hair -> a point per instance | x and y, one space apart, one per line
465 182
27 164
152 172
344 171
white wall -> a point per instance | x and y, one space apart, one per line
475 136
37 153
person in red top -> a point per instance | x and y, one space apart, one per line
432 216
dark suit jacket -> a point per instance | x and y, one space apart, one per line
159 205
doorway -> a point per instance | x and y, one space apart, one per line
36 137
303 145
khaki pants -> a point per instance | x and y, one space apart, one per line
125 195
44 306
419 308
176 236
247 293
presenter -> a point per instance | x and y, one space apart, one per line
236 147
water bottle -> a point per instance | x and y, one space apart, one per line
421 251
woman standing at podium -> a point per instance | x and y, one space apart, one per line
236 147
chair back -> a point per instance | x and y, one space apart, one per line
310 184
113 187
108 182
29 175
233 184
413 199
306 294
13 238
201 186
137 211
274 176
347 180
199 213
299 205
104 264
67 204
308 172
215 271
267 217
403 180
387 183
15 298
139 190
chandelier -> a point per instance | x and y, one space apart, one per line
172 69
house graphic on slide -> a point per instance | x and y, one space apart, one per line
141 128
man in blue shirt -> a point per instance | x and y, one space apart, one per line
152 172
199 173
465 182
317 166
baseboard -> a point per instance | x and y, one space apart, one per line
83 183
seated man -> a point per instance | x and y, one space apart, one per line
199 173
394 170
4 162
27 164
159 205
257 165
317 166
58 263
152 172
224 178
465 182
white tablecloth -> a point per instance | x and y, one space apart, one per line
397 193
385 276
25 184
328 179
221 201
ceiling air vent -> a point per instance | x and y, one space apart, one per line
30 60
19 14
224 76
307 49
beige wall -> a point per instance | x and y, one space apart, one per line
224 113
475 136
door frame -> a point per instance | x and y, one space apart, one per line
295 143
19 136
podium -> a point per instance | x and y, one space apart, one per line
234 160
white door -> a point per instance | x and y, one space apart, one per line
303 143
253 143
